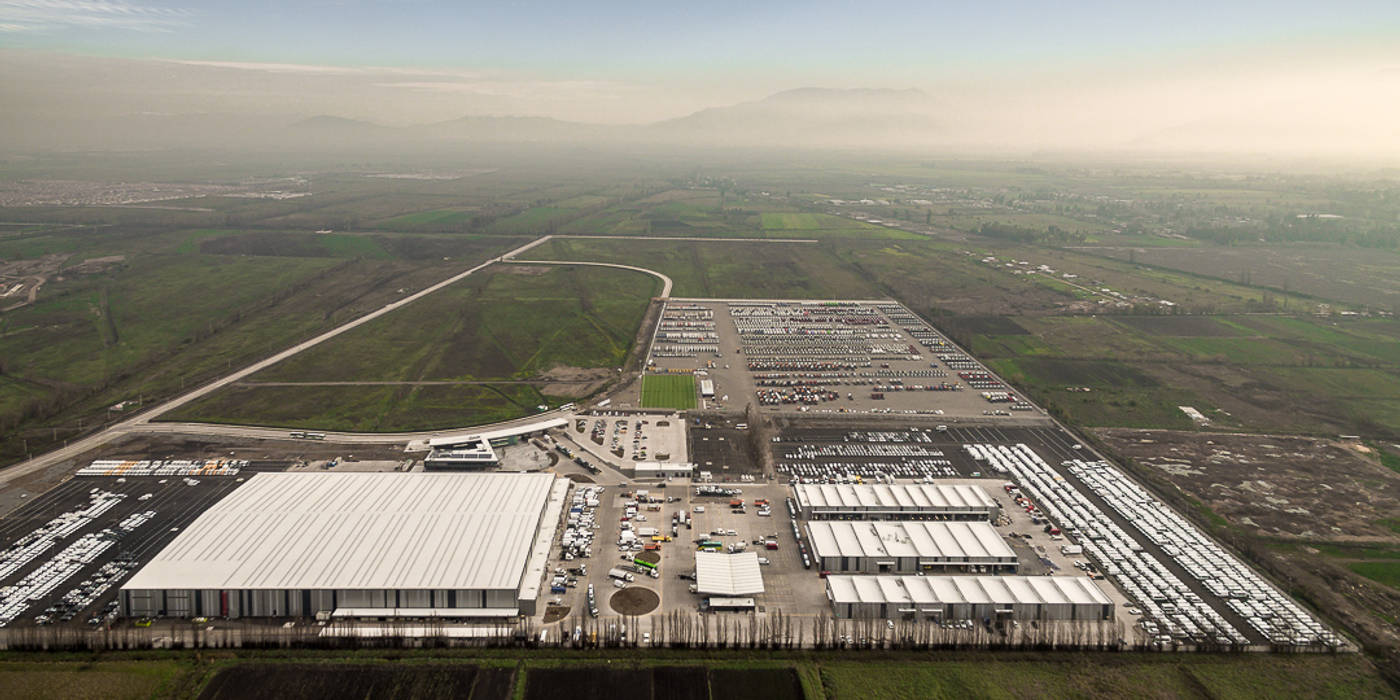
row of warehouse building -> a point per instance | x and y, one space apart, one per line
929 552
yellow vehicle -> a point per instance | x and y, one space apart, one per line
660 538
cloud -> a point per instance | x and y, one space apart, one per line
40 16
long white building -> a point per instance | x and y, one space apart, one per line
943 598
887 547
360 544
893 502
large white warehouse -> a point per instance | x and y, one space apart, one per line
893 502
362 544
968 597
887 547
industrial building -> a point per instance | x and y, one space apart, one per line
664 470
728 575
944 598
476 450
373 545
893 502
886 547
475 454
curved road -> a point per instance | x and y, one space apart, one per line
665 281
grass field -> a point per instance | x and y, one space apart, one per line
108 680
1386 572
163 320
668 391
506 324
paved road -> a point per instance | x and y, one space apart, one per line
665 281
258 432
141 423
80 446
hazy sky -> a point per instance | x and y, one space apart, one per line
1041 66
663 39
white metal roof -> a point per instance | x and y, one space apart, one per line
900 538
358 531
521 429
909 497
943 590
729 575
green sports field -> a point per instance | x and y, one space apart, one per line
668 391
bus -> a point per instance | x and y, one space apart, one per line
710 546
315 436
643 563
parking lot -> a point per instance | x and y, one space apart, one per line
825 358
797 591
621 439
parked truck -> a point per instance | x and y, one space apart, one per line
621 575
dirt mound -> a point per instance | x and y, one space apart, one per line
555 613
634 600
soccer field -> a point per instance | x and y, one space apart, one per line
668 391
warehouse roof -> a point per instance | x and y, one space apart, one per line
898 538
935 590
358 531
911 497
730 575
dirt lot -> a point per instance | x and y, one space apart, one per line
1293 487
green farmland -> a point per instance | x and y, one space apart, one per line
490 348
668 391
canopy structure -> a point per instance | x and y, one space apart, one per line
728 575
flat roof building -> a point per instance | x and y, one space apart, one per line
893 502
728 575
402 545
664 470
477 454
943 598
887 547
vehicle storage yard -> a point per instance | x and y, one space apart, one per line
824 357
860 395
68 551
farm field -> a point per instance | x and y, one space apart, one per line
1197 677
1338 376
668 391
103 680
552 333
312 681
726 270
722 675
1357 276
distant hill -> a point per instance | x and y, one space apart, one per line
816 116
517 129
